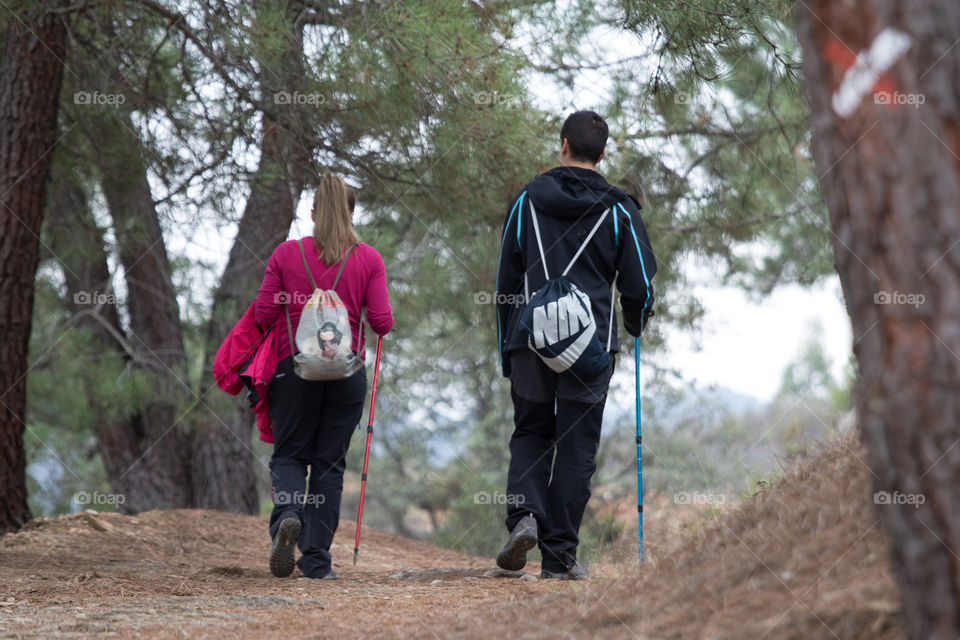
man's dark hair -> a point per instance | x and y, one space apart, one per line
587 134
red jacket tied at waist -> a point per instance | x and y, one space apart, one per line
248 358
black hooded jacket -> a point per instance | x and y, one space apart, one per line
568 202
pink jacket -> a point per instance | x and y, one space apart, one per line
248 358
362 285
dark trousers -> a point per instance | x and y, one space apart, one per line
312 425
553 453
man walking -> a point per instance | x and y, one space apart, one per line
567 218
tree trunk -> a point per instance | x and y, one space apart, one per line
31 72
890 157
223 471
77 243
159 477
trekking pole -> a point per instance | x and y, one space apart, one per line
366 455
636 359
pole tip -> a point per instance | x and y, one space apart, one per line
355 552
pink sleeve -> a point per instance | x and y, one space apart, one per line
376 300
268 307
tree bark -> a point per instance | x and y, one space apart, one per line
224 474
891 178
78 245
31 72
159 476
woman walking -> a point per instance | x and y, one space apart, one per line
314 420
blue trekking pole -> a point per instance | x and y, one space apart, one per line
636 359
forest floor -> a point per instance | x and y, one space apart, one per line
802 559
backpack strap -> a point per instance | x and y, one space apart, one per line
306 266
583 245
586 241
536 231
286 308
343 263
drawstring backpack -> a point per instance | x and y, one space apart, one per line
324 337
558 323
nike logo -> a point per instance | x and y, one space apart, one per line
562 319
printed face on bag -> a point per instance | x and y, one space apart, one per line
329 338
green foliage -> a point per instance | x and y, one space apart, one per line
717 102
60 434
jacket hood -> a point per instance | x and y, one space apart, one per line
571 192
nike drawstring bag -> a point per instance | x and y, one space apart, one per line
558 324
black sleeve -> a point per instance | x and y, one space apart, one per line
636 265
509 274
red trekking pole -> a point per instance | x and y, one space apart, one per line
366 455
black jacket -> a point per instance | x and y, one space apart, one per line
568 202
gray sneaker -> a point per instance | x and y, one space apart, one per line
513 556
576 572
284 543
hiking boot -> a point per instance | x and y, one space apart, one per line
333 575
513 556
281 555
576 572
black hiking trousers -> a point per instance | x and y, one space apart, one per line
553 452
312 425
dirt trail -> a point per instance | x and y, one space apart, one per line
199 574
803 560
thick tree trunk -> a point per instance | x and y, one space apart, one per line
223 471
78 244
159 476
31 72
891 177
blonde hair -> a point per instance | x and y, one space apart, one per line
333 231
